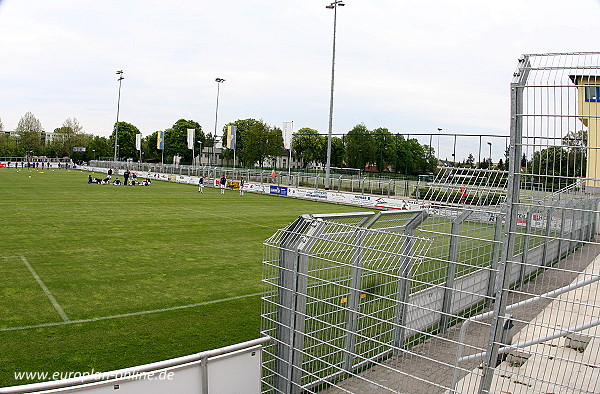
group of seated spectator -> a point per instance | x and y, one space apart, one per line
117 181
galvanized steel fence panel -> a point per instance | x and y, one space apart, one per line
447 299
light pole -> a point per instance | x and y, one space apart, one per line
120 74
439 133
490 144
219 81
334 6
94 153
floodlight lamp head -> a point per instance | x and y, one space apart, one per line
219 80
439 129
120 72
330 6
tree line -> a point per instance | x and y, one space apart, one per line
258 143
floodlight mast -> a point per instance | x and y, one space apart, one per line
219 81
334 6
121 78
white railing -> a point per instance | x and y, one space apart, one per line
235 368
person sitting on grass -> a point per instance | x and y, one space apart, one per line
117 181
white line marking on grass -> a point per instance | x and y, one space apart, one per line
62 323
43 286
228 217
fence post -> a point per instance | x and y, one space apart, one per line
286 305
405 271
526 248
354 299
546 236
513 192
593 217
589 220
495 257
451 271
586 207
562 232
581 220
295 248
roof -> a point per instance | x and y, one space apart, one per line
574 78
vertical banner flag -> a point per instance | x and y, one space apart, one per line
288 129
190 138
160 140
231 130
138 141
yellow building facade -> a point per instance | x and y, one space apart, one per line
588 109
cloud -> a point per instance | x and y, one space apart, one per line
410 65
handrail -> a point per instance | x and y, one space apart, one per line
27 388
463 329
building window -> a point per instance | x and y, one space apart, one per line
592 93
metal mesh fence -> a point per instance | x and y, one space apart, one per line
491 288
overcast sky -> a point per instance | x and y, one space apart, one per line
410 65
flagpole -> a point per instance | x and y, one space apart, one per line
290 160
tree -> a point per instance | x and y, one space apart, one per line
176 140
337 152
274 142
500 165
100 148
576 143
420 157
126 140
29 130
385 149
554 167
245 143
258 148
308 145
470 162
151 152
69 137
360 147
8 145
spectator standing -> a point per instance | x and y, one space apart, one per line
242 182
201 184
110 172
126 176
222 183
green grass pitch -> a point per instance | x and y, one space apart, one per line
108 254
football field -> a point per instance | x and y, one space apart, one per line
99 277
